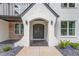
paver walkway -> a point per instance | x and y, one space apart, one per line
39 51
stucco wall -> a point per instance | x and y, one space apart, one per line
41 12
4 30
12 34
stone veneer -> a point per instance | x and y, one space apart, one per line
12 34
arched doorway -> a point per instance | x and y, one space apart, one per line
38 32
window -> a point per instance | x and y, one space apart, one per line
68 5
63 28
71 4
68 28
16 6
22 29
19 29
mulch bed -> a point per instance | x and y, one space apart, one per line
69 51
12 52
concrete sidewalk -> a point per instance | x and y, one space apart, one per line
39 51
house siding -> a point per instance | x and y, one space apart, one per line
58 30
66 14
4 31
12 34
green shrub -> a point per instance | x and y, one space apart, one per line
7 48
74 45
64 43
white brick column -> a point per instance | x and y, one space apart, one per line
52 41
25 40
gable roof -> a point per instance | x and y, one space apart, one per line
31 5
7 18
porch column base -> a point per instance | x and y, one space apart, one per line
53 42
22 42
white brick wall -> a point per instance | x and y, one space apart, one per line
68 14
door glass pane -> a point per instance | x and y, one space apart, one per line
63 32
22 29
72 24
64 24
17 28
38 31
71 31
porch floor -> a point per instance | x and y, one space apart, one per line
39 51
38 43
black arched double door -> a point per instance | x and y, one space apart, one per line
38 31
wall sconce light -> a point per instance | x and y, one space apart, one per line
26 22
51 22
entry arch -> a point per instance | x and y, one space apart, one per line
40 25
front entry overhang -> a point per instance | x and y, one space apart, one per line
38 11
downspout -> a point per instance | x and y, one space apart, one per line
55 25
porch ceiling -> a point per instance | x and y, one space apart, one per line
11 18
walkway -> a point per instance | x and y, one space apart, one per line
39 51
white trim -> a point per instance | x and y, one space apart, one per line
69 36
